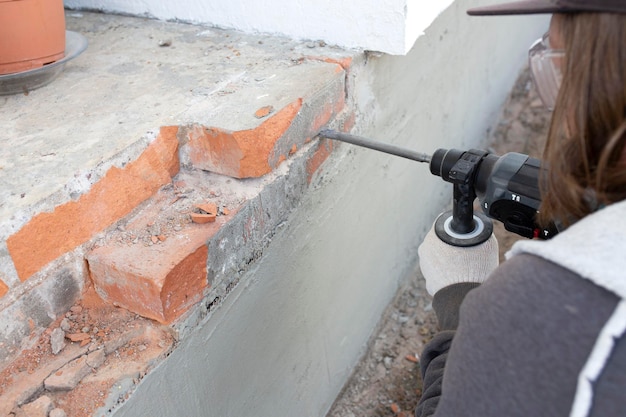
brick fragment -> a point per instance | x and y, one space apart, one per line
323 151
205 213
411 358
201 218
49 235
78 337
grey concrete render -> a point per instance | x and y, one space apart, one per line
290 326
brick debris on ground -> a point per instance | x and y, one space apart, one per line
386 381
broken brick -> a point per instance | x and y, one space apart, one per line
78 337
202 218
161 281
240 154
49 235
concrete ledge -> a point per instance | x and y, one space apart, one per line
130 126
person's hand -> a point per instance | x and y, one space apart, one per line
443 264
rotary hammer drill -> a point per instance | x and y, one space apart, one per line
506 186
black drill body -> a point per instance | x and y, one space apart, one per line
506 186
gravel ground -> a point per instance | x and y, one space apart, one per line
386 381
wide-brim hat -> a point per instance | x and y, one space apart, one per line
550 6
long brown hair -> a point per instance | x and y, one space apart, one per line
585 150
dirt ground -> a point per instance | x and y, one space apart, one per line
386 382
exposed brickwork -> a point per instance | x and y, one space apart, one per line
240 154
160 282
321 154
4 288
160 279
50 235
326 113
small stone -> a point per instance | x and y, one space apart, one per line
387 361
76 309
85 329
78 337
96 358
40 407
57 412
57 340
65 325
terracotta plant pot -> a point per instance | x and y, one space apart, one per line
32 34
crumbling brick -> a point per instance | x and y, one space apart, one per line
160 281
49 235
240 154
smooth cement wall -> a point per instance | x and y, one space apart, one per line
286 339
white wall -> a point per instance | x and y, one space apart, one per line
389 26
287 338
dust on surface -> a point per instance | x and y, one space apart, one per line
386 382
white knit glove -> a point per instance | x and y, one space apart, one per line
443 264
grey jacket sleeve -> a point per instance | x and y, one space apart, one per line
522 338
446 304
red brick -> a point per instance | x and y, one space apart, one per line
160 281
4 288
49 235
324 149
240 154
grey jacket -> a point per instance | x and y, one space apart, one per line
544 336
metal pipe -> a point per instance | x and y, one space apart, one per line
378 146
